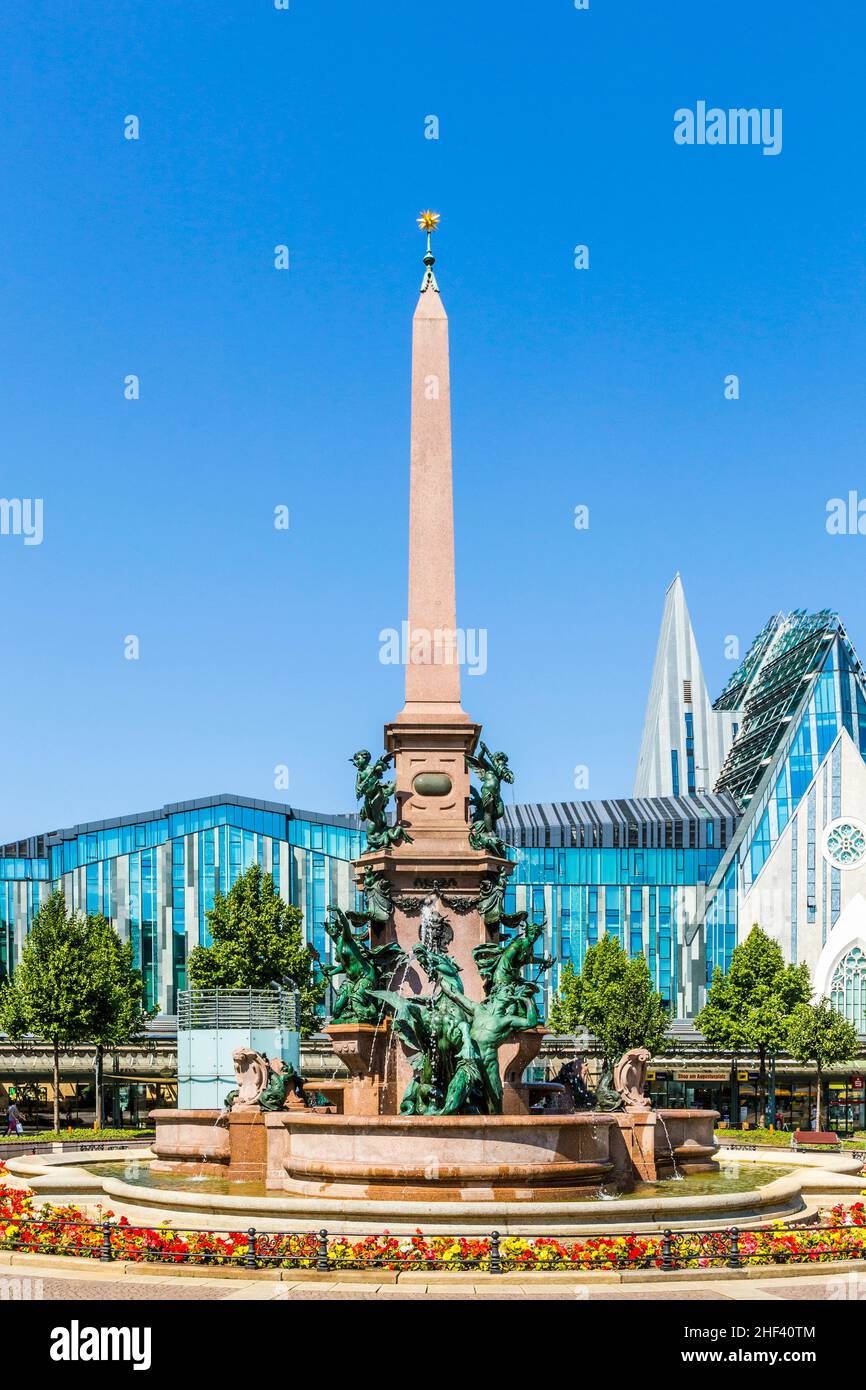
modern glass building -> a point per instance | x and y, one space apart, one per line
797 773
634 868
680 877
155 876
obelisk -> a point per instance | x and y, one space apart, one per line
432 670
432 734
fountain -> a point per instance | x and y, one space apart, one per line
434 1016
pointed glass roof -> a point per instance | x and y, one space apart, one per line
734 694
771 687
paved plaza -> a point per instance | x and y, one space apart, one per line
37 1280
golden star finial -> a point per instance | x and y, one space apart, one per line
428 221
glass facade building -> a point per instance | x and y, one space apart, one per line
155 876
680 878
637 869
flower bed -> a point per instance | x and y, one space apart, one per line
65 1230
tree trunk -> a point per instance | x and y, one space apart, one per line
762 1088
56 1082
818 1100
99 1086
735 1094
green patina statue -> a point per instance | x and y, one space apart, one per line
447 1072
454 1041
491 1023
365 967
491 898
263 1084
374 795
377 896
282 1079
502 963
487 805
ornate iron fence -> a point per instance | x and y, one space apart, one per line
493 1252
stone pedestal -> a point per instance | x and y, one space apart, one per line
514 1057
634 1154
248 1143
370 1055
191 1141
434 1159
653 1144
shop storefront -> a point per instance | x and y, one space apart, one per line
843 1103
691 1089
846 1105
128 1101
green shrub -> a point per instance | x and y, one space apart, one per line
78 1136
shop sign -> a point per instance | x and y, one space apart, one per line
701 1076
857 1082
659 1075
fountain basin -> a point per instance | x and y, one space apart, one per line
493 1158
747 1192
440 1158
685 1142
195 1139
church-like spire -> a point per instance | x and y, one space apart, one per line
684 739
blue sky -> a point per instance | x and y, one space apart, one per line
602 387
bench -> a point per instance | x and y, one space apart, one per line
805 1138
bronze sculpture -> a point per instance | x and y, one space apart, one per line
374 795
263 1084
365 968
378 899
488 807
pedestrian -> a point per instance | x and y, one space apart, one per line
13 1119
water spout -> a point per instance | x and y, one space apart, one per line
677 1175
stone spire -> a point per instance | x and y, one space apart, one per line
432 669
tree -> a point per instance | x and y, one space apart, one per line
564 1016
749 1008
721 1021
116 1011
48 992
818 1033
257 942
614 998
